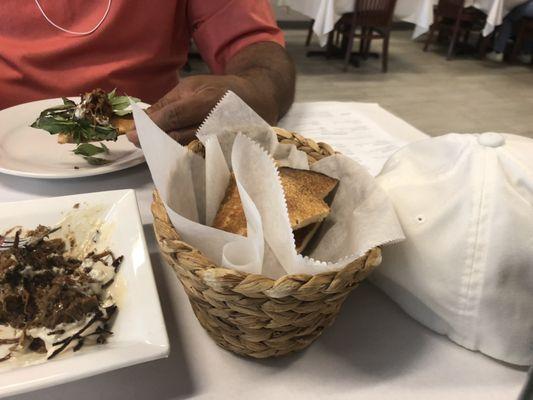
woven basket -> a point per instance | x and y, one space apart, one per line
254 315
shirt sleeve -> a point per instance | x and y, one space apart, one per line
220 28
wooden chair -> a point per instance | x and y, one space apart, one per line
374 18
524 31
451 15
309 33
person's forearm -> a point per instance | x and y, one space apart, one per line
264 78
262 74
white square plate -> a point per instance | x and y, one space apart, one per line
139 332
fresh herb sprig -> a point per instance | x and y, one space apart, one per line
70 119
62 119
88 151
120 103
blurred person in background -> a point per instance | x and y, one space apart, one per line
59 48
506 31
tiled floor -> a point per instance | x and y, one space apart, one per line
434 95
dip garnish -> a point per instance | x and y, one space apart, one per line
49 299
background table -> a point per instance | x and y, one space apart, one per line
496 11
419 12
373 351
327 12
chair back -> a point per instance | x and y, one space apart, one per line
375 13
527 23
450 8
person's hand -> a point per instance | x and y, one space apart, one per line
182 110
261 74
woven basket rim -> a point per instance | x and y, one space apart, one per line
162 223
373 255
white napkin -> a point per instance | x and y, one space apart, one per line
237 139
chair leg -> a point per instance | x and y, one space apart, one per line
429 39
362 41
442 37
329 45
349 46
385 55
466 37
309 33
519 42
368 43
337 38
484 45
455 34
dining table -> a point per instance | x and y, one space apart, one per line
373 351
326 13
496 11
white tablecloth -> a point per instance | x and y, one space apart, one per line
327 12
496 11
373 351
419 12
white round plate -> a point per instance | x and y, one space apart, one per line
34 153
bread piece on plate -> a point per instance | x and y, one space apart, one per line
63 138
123 124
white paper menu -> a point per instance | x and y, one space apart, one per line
344 128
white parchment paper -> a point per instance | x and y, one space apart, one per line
180 177
237 140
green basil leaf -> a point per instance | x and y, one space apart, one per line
122 113
106 149
112 94
105 133
122 102
91 133
54 125
61 119
65 110
88 149
96 160
68 102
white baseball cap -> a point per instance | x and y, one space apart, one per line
465 203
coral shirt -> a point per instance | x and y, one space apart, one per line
138 49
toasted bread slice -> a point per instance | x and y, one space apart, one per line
319 184
122 124
305 205
303 236
230 216
63 138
